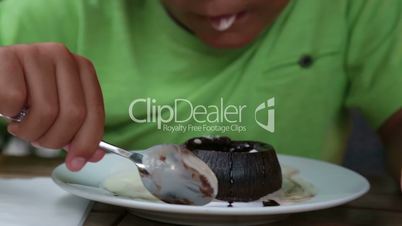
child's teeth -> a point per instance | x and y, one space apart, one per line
223 23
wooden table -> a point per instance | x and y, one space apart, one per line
382 206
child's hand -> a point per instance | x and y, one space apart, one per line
63 96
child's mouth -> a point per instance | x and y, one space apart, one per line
224 22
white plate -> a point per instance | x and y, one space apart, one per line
335 185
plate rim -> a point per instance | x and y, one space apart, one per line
203 210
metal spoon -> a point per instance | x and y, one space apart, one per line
169 171
172 173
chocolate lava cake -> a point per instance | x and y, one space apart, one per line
246 170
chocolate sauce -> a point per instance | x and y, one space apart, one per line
270 202
225 144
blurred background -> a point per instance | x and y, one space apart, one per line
364 154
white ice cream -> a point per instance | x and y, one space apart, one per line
128 184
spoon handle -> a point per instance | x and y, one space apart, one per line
113 149
17 118
103 145
133 156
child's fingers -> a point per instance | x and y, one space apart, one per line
99 154
86 140
72 108
12 83
41 88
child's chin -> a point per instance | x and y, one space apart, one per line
227 40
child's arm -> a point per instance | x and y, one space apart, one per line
391 134
63 95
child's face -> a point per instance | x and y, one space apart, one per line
225 23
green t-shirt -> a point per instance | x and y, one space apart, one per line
290 87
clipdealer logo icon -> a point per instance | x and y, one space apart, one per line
269 123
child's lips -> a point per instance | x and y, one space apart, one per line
224 22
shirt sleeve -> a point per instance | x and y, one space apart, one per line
374 59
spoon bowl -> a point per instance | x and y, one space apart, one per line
172 173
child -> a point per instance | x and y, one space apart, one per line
277 71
